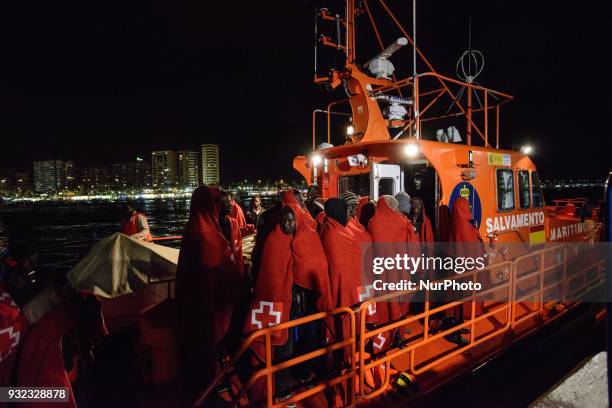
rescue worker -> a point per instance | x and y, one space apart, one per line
135 223
292 282
210 288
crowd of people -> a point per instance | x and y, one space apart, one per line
307 259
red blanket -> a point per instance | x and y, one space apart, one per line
210 287
467 243
288 197
287 260
41 363
343 247
13 327
396 235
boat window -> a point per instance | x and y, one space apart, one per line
386 186
536 190
505 189
358 184
524 193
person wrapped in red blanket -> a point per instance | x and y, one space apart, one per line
236 213
292 282
210 287
344 249
394 234
421 221
467 242
33 322
41 361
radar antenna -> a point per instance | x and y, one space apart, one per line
468 68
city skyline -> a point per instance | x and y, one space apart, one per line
165 170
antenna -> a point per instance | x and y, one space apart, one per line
475 61
316 41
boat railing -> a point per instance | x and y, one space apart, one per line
269 369
167 238
540 286
578 202
482 112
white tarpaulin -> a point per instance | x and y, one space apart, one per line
119 265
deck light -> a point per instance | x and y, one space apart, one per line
526 149
350 130
316 160
411 149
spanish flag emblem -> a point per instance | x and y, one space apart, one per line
537 236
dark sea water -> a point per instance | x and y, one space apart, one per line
63 232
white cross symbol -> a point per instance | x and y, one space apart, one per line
12 335
271 313
365 293
382 339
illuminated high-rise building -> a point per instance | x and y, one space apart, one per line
188 168
164 169
210 164
49 176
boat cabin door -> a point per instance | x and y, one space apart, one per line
385 179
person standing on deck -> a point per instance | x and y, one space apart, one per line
343 248
465 241
210 287
235 211
394 235
421 221
135 223
292 282
311 195
253 213
352 202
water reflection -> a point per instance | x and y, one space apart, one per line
62 232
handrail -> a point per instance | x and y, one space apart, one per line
581 200
270 369
357 341
426 337
167 238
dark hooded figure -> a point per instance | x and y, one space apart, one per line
210 287
421 221
337 209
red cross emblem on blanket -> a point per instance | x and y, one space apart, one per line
9 339
365 293
379 341
266 315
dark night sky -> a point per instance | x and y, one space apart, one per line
102 81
